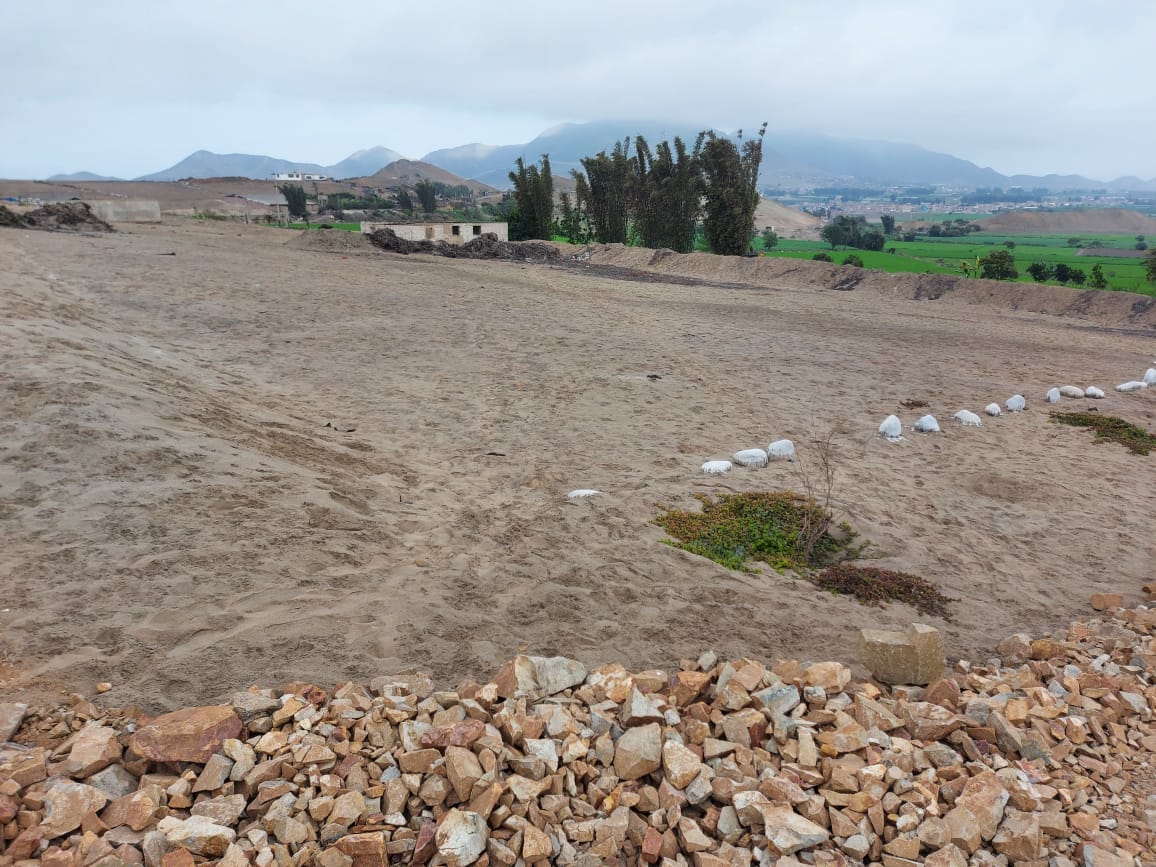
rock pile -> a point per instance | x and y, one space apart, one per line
486 246
65 216
1041 758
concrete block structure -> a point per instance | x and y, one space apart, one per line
127 210
452 233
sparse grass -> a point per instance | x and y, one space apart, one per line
771 527
1109 428
874 586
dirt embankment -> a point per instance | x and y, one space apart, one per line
1115 309
1091 220
67 216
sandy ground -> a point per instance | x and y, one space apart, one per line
185 510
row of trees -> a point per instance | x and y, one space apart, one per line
656 197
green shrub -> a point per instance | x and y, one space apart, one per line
1108 428
822 257
778 528
873 586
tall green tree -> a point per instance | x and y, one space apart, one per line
998 265
602 191
888 222
1150 266
571 221
427 195
534 193
730 178
666 193
295 198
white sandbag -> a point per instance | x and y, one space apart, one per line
1134 385
1150 376
927 424
1071 391
992 409
1053 395
750 458
891 428
1094 393
716 468
968 418
781 450
582 494
1016 403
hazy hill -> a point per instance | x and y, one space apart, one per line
566 144
82 176
406 173
206 164
788 158
362 163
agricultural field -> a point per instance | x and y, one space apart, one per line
946 255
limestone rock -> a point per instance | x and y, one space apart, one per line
789 832
1015 649
94 748
929 722
11 716
1104 601
364 850
190 735
680 764
638 752
65 806
224 810
538 676
915 656
461 838
198 834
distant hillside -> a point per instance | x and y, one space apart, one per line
789 159
566 144
408 172
362 163
1090 220
82 176
206 164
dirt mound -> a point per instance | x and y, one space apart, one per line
331 241
66 216
1091 220
487 246
787 221
1119 309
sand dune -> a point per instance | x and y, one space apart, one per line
254 462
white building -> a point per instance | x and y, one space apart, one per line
299 176
452 233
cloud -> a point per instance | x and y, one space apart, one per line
1038 86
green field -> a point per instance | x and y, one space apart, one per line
344 227
945 255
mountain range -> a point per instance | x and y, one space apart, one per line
789 159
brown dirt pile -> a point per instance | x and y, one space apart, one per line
1120 309
66 216
486 246
331 241
1043 754
1090 220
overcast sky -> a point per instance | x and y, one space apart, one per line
128 87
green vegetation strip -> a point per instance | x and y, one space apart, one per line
873 586
780 528
1109 428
